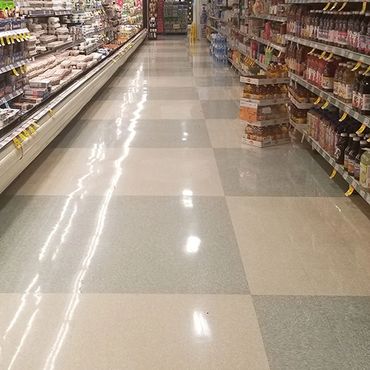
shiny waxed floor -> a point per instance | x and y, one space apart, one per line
147 237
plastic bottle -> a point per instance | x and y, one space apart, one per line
356 89
338 80
363 145
355 148
348 82
364 95
362 38
327 80
341 147
365 170
347 150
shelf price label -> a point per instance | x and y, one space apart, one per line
327 6
17 143
363 10
317 101
22 136
326 104
322 55
342 7
334 6
15 72
333 173
350 191
2 41
356 67
329 57
361 129
344 116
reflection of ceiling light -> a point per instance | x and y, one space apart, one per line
192 244
187 198
201 326
185 134
184 139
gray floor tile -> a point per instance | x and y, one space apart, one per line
323 333
280 171
220 109
125 245
151 92
147 134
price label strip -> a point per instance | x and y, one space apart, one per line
333 173
361 129
344 116
350 191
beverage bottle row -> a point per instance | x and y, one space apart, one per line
341 142
350 30
347 83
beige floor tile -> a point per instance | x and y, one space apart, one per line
225 133
303 246
138 109
126 171
135 332
155 81
219 93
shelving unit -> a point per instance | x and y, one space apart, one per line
338 168
331 99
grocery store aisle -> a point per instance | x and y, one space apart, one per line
147 237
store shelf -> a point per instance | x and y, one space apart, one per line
20 31
299 104
264 144
261 65
264 81
61 48
64 107
339 168
244 102
331 49
47 13
269 17
320 1
271 122
212 28
238 68
281 48
13 65
331 99
9 97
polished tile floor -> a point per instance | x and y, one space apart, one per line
146 237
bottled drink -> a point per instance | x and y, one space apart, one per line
364 95
356 171
356 31
348 82
327 80
356 89
362 38
355 147
347 150
340 148
338 77
365 169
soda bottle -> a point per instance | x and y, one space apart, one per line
356 171
365 170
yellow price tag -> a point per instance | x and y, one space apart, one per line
350 191
322 55
7 40
22 136
15 72
333 173
51 113
317 101
310 52
17 143
356 67
367 70
326 104
12 39
26 133
35 125
21 69
329 57
363 10
334 6
327 6
2 41
32 130
344 116
342 7
17 38
361 129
